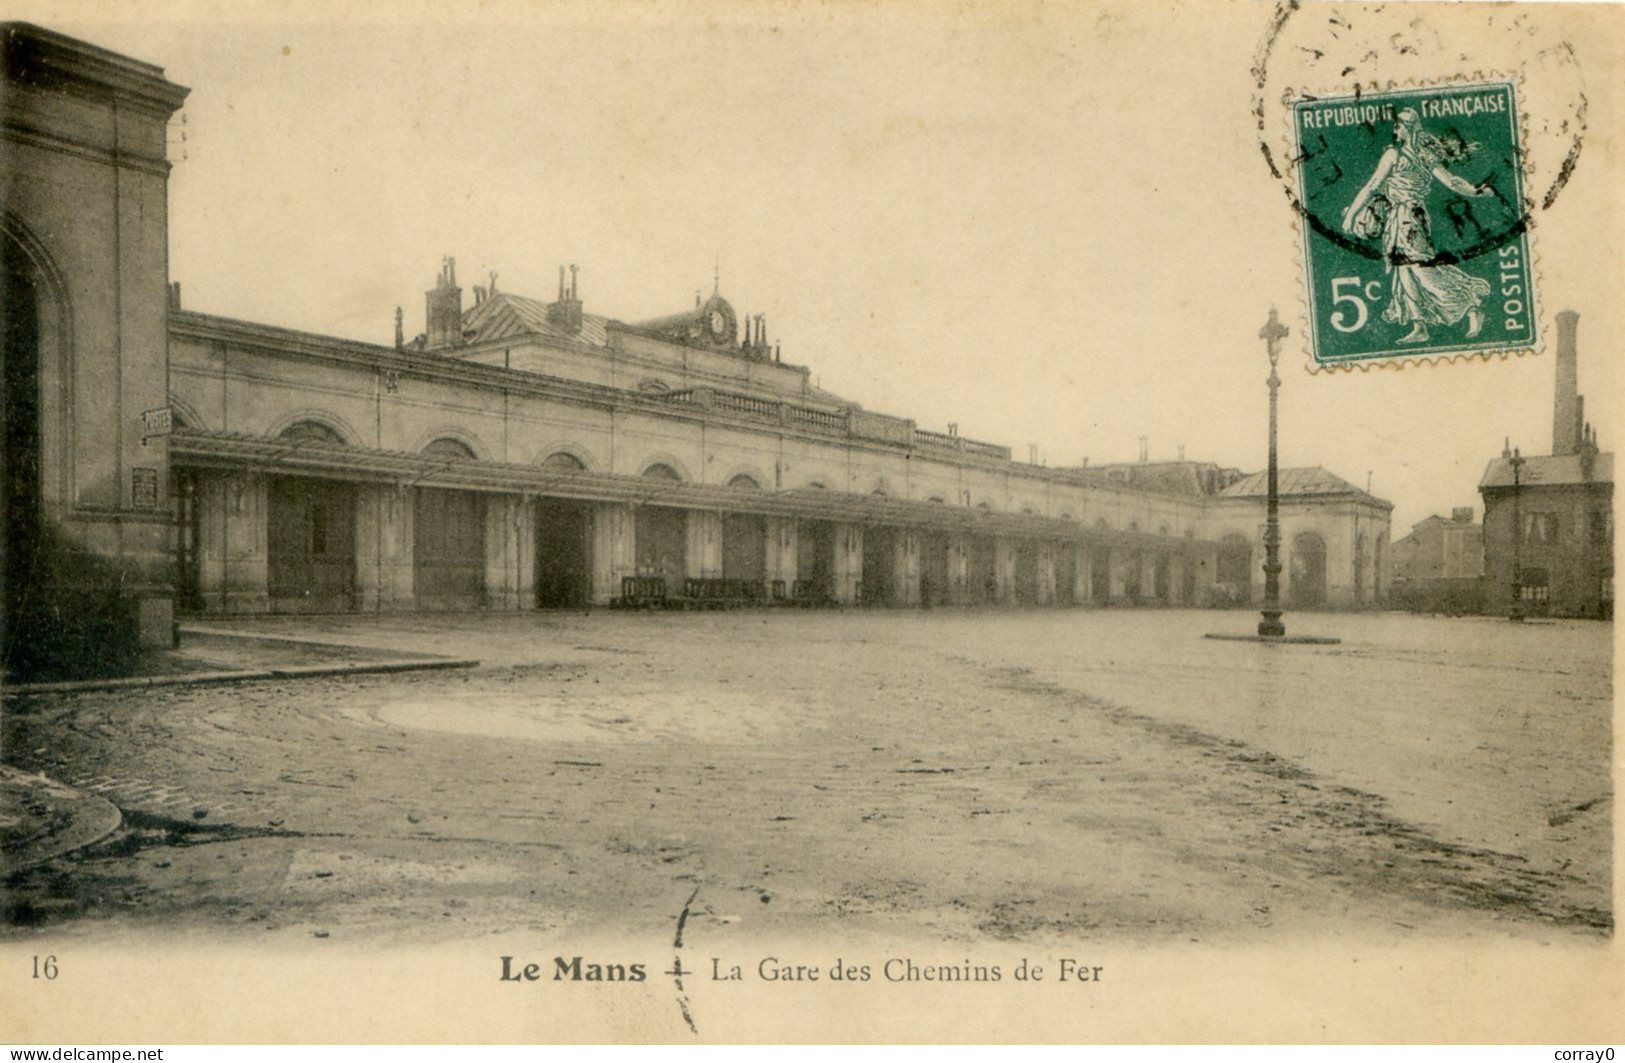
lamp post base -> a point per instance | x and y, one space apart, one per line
1271 627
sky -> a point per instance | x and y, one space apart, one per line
1050 224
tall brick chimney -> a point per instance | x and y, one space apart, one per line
445 309
1566 415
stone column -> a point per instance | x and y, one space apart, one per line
383 549
613 550
958 569
848 562
783 540
510 552
906 567
1046 573
1004 570
1120 562
1083 592
233 568
704 542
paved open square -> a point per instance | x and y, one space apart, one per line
963 774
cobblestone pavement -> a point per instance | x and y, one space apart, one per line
961 774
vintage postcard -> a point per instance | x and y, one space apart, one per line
717 521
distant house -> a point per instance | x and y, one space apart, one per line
1549 519
1439 566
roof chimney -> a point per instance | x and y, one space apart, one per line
1566 415
445 308
566 312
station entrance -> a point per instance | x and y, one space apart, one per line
448 549
935 585
815 561
563 553
879 560
1066 574
662 545
1100 575
310 545
744 548
982 580
1026 574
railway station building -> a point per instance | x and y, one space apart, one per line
521 452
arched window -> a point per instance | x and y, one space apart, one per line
563 461
446 447
744 481
662 471
310 432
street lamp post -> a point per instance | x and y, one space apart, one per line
1270 626
1515 612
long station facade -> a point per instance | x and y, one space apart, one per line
522 453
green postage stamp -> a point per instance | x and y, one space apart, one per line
1415 235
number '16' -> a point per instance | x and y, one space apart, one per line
1347 321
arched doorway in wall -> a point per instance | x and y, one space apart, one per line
563 543
1306 580
1161 584
19 436
1233 577
310 535
448 539
662 535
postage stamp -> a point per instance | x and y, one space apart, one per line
1414 223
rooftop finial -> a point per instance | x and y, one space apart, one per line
716 277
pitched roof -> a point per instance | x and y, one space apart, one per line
1296 483
501 315
1546 470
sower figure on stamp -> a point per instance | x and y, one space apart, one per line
1393 204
